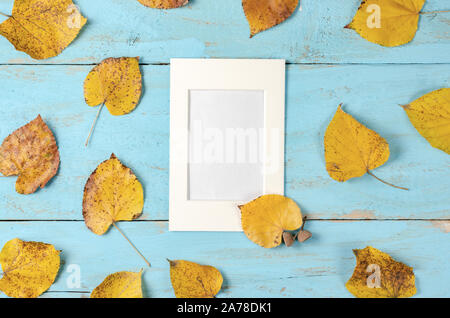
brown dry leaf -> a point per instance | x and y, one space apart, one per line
192 280
111 194
264 14
352 150
378 275
31 153
266 218
164 4
115 83
29 268
387 22
42 28
430 115
120 285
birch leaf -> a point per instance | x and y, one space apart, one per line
378 275
430 115
42 28
265 14
387 22
29 268
192 280
31 153
164 4
266 218
352 150
115 83
120 285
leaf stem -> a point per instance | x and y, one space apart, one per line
433 12
132 245
5 15
93 124
389 184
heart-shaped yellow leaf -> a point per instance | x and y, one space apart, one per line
111 194
266 218
352 150
378 275
29 268
192 280
430 115
31 153
163 4
264 14
120 285
387 22
42 28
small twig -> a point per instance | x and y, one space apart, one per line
433 12
5 15
148 263
301 229
93 125
389 184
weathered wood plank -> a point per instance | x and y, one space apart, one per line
141 140
207 28
318 268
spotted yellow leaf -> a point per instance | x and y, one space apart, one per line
31 153
42 28
430 115
378 275
115 83
120 285
192 280
29 268
352 150
387 22
164 4
265 14
266 218
111 194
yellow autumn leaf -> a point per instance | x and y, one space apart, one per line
266 218
29 268
31 153
430 115
115 83
120 285
42 28
164 4
378 275
352 150
265 14
192 280
387 22
111 194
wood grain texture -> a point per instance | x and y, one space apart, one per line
141 140
318 268
314 34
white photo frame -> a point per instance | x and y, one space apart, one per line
242 87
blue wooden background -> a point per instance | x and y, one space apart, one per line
327 65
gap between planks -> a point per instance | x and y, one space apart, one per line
309 219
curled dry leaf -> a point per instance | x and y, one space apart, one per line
264 14
352 150
192 280
120 285
29 268
31 153
430 115
164 4
288 239
42 28
387 22
111 194
266 218
303 235
115 83
378 275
